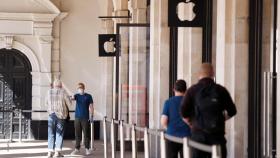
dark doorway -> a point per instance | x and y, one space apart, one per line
15 93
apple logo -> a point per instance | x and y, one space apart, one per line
109 46
185 11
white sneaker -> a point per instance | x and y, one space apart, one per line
50 154
88 152
57 154
75 152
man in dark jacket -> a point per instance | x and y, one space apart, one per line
205 107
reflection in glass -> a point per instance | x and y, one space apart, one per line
1 91
134 76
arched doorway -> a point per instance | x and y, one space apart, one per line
15 93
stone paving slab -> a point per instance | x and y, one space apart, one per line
38 149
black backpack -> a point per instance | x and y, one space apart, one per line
209 110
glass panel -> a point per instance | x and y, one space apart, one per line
1 91
134 75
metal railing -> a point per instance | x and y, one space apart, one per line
187 143
20 114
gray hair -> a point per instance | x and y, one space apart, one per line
57 83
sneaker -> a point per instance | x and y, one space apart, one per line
57 154
50 154
88 152
75 152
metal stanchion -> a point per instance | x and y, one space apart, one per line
29 129
11 127
146 143
105 137
122 149
91 135
162 146
20 126
134 143
186 148
83 138
113 143
216 151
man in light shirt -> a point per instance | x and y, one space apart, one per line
57 102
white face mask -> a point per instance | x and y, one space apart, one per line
81 91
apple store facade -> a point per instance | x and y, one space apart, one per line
129 53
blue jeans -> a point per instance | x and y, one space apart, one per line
55 132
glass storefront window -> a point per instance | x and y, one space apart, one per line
133 74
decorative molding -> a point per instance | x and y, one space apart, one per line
45 39
8 41
49 5
27 16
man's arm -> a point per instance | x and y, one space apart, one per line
186 106
229 105
164 121
91 109
188 121
67 100
165 115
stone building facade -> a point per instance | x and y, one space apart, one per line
60 40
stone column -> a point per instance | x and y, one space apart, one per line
189 51
278 80
55 60
108 27
232 68
189 54
110 77
159 65
121 9
43 28
137 64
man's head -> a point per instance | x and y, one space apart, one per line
206 71
180 86
81 88
57 83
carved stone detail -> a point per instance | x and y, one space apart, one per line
45 39
9 42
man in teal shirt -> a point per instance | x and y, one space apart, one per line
83 113
172 120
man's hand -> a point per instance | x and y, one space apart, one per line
227 117
164 121
91 119
188 121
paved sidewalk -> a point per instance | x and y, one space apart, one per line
38 149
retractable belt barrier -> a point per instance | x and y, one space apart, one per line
187 143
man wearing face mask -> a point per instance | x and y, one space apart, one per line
83 112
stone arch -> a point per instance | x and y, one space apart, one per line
29 54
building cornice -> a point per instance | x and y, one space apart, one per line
28 16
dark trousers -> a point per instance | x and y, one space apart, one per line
209 140
173 149
81 125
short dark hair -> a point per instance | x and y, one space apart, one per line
180 86
81 85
